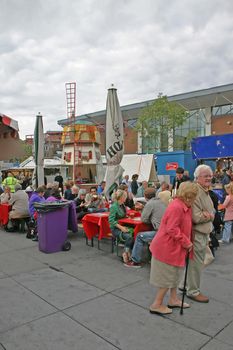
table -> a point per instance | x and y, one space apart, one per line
137 223
96 224
4 213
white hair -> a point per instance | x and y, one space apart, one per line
200 169
82 191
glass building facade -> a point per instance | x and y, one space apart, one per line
180 140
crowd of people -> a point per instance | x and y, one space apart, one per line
182 217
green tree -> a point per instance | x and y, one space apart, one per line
158 122
27 150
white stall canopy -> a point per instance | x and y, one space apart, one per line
141 164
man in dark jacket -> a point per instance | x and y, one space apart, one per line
58 178
180 177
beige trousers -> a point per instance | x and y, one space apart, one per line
196 264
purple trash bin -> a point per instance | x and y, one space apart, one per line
52 230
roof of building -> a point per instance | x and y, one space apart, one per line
199 99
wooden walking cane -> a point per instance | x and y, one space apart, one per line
185 280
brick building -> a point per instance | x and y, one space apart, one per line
53 146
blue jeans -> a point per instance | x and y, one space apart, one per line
126 237
227 231
142 237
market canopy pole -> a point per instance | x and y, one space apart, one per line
114 141
38 152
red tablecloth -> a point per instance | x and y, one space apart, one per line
96 224
138 225
4 213
134 212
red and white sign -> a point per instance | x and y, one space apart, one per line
172 166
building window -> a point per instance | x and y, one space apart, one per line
222 110
194 126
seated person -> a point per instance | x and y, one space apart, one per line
118 211
6 195
165 193
19 203
151 214
37 197
81 208
101 187
49 189
141 189
95 203
68 192
55 196
74 192
129 200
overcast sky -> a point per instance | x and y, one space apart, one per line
142 46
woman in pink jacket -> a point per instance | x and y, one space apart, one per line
228 217
169 248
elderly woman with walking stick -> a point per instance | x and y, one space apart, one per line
170 247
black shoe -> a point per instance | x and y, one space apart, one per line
35 239
11 229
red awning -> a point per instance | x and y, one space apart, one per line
9 122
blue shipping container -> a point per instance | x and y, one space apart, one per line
183 159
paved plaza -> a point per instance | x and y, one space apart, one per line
86 299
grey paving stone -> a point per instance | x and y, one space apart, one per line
222 271
140 293
17 262
55 332
208 318
217 345
220 289
19 305
16 240
128 326
58 259
2 275
103 272
227 334
1 347
4 248
58 288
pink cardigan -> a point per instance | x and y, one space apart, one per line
228 204
174 234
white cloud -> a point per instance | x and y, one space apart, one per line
142 46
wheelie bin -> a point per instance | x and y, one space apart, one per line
52 225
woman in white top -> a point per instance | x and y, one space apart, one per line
6 195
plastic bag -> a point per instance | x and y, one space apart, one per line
49 206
